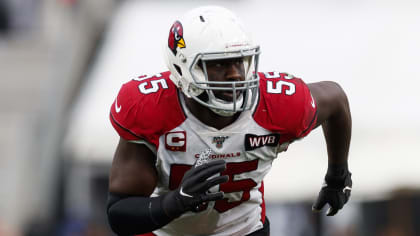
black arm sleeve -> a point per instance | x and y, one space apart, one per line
129 215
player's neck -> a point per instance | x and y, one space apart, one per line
207 116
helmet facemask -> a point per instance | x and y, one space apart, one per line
244 93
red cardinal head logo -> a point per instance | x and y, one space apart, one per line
176 39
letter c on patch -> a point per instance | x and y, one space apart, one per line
176 141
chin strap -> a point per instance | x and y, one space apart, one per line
223 113
225 108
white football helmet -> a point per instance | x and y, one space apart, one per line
212 33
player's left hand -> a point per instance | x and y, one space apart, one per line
335 191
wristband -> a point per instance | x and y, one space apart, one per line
129 215
336 175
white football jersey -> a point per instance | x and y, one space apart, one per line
152 110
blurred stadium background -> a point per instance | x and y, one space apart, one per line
62 63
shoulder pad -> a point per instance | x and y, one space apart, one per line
146 107
285 105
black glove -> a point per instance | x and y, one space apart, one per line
192 192
336 189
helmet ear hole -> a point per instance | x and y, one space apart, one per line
178 69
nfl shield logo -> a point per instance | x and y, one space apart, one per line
219 140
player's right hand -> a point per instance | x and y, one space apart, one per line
193 190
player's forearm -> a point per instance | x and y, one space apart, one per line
135 214
337 131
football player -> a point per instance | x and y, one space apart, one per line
196 141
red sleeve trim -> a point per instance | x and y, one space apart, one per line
310 113
122 131
310 127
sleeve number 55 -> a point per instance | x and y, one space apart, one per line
152 86
232 186
280 86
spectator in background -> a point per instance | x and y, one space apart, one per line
4 17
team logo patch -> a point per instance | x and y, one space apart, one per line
176 37
219 140
253 141
176 141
